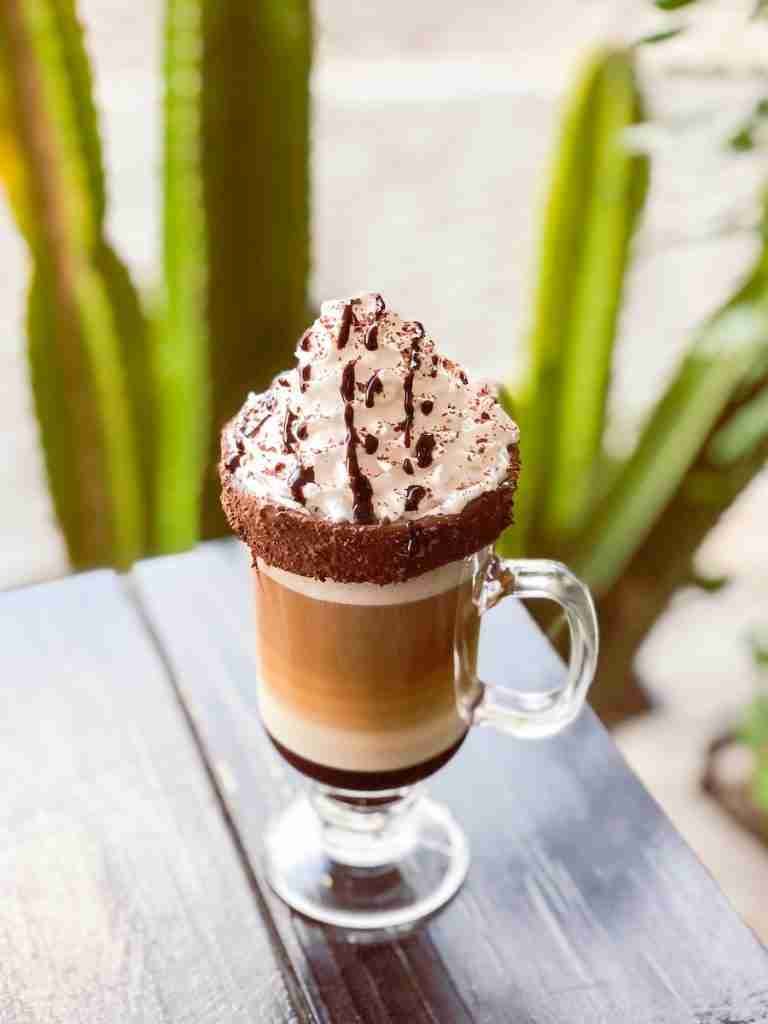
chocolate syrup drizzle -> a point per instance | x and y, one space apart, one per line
372 388
233 462
360 485
345 325
414 363
371 443
413 496
347 388
424 448
288 438
371 338
427 406
253 431
302 476
306 373
408 467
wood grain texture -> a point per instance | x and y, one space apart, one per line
582 904
123 896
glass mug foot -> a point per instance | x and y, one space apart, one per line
380 861
377 679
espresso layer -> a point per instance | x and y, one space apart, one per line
367 781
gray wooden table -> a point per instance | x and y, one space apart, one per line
135 785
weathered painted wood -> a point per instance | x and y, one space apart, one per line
122 895
583 903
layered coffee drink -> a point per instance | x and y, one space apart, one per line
362 480
363 697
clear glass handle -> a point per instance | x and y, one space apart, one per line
533 714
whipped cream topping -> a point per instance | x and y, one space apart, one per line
372 425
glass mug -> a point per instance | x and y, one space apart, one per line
367 690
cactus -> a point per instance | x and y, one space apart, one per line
702 443
236 239
85 327
630 529
150 404
180 349
255 131
595 195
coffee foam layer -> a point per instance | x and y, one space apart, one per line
429 584
358 750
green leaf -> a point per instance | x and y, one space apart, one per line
709 584
760 784
661 37
673 5
742 433
743 140
758 643
754 728
718 363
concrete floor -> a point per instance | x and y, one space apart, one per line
431 136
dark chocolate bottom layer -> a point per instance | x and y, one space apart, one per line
366 782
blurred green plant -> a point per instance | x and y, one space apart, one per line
630 528
754 728
85 328
130 405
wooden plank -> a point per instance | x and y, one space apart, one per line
582 904
123 897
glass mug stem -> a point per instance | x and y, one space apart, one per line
381 855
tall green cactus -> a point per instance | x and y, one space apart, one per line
236 236
594 198
180 350
85 327
130 418
256 64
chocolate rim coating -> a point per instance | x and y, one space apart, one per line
352 553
